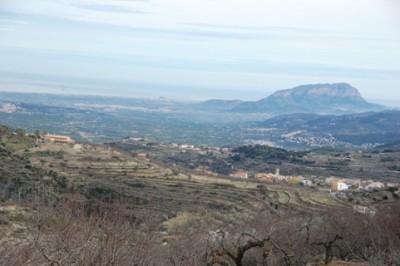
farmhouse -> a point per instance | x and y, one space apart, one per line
364 210
375 185
239 174
142 156
352 182
294 180
264 177
338 185
330 180
60 139
360 209
392 185
306 183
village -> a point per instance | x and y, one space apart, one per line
331 184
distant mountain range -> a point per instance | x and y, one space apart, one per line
337 98
213 122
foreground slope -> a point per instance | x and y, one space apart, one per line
96 205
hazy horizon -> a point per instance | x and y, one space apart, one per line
198 50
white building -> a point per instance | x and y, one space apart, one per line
375 185
58 139
239 174
339 186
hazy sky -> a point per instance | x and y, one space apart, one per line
199 49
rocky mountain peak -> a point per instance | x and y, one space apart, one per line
336 98
342 90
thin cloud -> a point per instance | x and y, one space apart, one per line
13 25
253 28
109 8
48 21
204 65
134 0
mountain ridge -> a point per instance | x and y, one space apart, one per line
336 98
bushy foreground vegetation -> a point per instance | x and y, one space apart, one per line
68 232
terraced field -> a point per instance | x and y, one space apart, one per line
101 173
305 199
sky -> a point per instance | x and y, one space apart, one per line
199 49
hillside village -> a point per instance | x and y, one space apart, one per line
339 187
352 191
349 190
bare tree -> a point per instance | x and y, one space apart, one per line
70 234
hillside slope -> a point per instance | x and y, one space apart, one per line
357 129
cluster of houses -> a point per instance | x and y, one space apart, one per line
335 184
203 149
343 184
